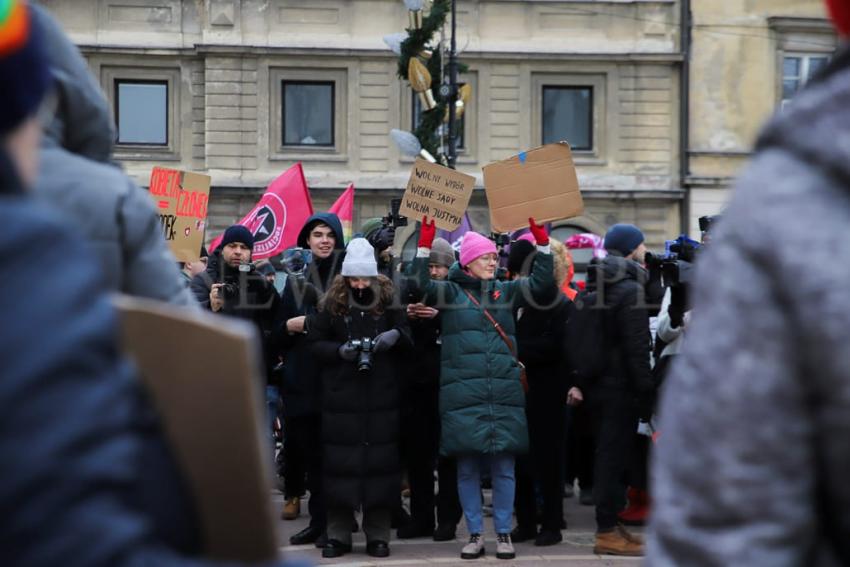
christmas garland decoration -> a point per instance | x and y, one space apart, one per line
417 42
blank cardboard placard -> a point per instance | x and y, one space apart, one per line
181 199
203 374
539 183
438 193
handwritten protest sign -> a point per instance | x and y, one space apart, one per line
181 198
437 192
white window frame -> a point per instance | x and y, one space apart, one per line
803 78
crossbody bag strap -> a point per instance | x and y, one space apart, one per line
495 324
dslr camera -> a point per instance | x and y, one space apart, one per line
365 348
230 289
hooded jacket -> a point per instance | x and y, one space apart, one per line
76 176
751 467
482 404
301 385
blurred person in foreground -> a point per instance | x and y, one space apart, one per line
752 460
86 477
78 178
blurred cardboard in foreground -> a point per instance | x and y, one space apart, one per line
203 375
539 183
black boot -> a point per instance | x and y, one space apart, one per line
308 535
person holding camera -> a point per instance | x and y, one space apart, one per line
232 286
482 405
359 337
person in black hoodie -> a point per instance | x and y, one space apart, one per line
540 342
360 399
301 390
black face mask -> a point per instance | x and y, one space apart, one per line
362 298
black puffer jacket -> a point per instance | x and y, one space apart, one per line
360 410
621 285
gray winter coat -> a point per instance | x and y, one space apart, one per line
753 460
77 177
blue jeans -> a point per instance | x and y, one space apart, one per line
272 401
469 490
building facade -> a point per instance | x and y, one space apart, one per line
242 89
747 61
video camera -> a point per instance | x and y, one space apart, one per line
677 263
365 348
394 219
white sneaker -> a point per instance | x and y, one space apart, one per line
504 547
474 549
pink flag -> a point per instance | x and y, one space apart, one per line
279 215
344 209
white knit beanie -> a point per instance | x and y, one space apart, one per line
359 259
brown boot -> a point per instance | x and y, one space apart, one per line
291 509
614 543
634 538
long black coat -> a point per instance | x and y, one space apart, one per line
360 410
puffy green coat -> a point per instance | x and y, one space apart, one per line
482 405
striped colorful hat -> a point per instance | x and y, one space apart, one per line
24 72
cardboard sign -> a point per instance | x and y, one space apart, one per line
203 374
437 192
539 183
181 198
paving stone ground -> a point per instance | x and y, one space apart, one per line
575 551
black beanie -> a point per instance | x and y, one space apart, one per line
238 233
521 251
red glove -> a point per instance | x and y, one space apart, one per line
427 232
539 233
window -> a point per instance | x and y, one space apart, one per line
141 112
416 115
308 113
146 107
796 72
568 115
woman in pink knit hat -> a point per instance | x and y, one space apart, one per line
482 404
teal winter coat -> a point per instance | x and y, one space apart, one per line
482 405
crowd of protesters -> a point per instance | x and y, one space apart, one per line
513 377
